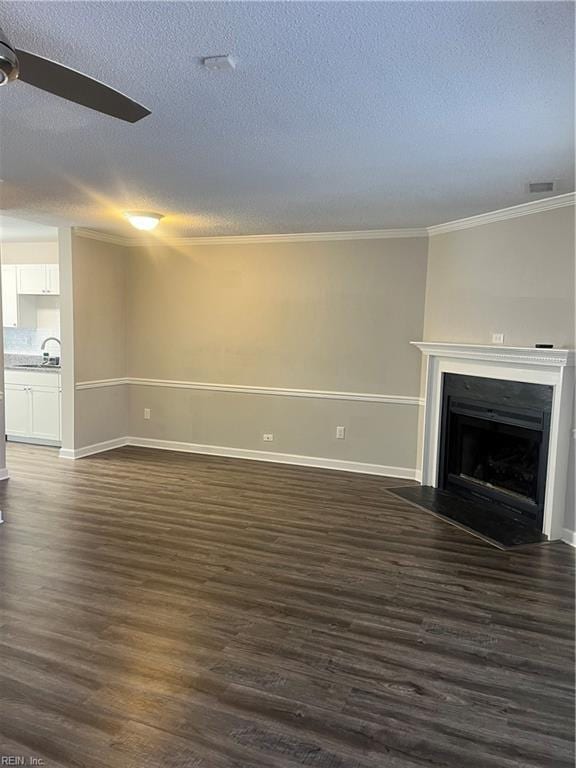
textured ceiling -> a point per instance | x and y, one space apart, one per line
339 115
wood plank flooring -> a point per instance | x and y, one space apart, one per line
179 611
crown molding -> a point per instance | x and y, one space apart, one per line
103 237
524 209
297 237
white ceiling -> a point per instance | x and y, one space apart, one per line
339 115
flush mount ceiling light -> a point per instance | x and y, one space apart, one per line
145 220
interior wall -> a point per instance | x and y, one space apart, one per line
30 252
99 300
514 277
328 315
324 316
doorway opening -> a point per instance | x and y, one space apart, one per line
31 323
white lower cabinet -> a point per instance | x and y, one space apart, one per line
17 408
32 406
45 413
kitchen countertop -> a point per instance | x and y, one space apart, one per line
40 369
18 361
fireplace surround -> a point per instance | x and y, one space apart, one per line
508 412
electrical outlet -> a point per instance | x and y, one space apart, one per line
146 413
340 433
497 338
268 437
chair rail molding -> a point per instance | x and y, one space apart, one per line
368 397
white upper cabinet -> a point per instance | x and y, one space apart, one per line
53 278
9 297
31 278
38 279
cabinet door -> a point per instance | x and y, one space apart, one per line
17 409
31 278
52 278
9 297
45 413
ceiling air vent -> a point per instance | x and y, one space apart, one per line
540 186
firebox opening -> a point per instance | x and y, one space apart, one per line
494 443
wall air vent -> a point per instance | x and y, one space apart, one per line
540 186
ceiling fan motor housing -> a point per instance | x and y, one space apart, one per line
8 60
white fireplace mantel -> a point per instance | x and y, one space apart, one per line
554 367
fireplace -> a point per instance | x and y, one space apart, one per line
545 425
494 438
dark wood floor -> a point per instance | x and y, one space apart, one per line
163 610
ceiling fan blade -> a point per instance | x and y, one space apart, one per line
74 86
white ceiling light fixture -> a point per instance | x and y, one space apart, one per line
144 220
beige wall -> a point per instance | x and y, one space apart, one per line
329 315
376 433
333 316
318 316
514 276
99 273
30 253
99 296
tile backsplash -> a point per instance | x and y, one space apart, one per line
27 341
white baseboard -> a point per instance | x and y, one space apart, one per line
405 473
33 441
4 475
89 450
569 537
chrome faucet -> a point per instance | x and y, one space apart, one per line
50 338
46 355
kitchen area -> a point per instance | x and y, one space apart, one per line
31 331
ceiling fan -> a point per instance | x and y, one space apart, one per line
65 82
